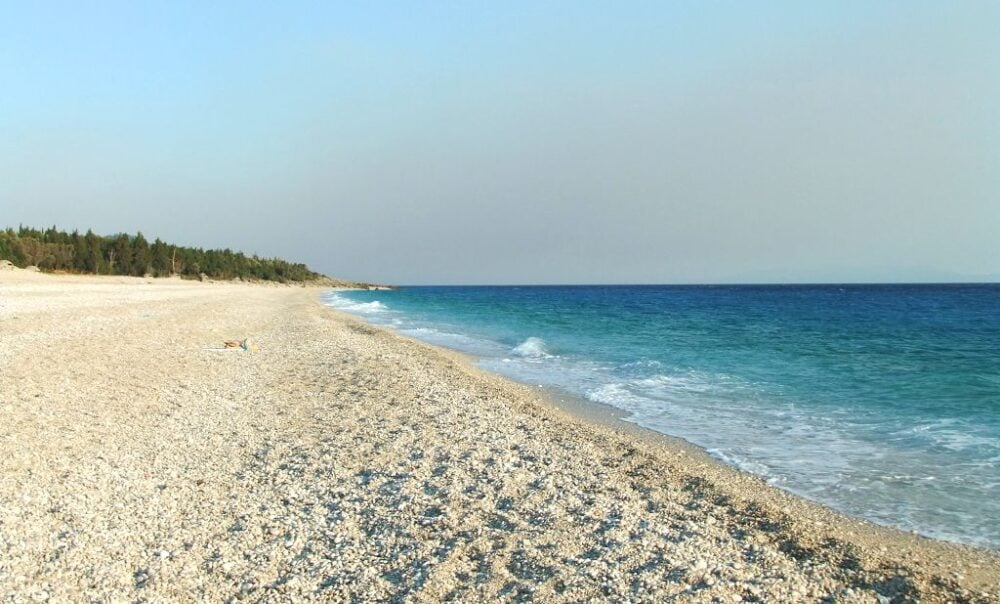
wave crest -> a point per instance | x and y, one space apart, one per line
533 348
365 308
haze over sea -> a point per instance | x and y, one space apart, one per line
882 401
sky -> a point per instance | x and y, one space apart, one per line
518 142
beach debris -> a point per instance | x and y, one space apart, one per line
244 344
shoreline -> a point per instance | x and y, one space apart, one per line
604 417
610 416
343 461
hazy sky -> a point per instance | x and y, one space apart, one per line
502 142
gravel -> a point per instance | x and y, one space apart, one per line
340 462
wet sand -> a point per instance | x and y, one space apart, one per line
341 462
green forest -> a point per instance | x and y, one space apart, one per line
53 250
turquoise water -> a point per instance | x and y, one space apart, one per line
882 401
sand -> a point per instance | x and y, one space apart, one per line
341 462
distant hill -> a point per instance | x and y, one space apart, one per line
54 250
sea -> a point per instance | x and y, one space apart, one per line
881 401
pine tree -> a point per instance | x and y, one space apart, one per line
120 259
159 258
141 257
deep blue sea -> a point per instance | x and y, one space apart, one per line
882 401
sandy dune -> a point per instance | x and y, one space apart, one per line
342 462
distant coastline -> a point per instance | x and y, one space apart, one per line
56 251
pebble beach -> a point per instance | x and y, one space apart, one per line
336 461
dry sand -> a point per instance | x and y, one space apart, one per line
341 462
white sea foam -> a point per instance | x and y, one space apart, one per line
369 307
532 348
363 308
616 395
380 313
951 435
691 382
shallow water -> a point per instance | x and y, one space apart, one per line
882 401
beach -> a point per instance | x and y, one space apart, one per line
337 461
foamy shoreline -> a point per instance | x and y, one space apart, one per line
834 438
342 460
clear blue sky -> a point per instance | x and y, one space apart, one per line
518 142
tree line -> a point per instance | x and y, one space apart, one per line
123 254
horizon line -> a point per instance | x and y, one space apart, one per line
701 284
